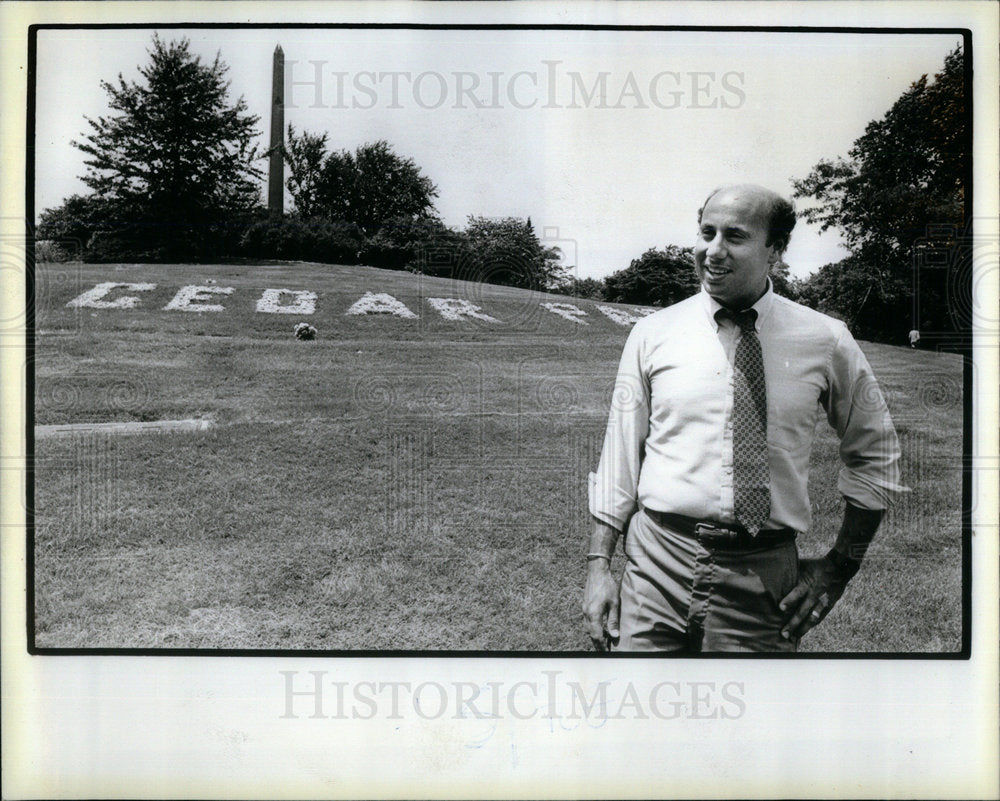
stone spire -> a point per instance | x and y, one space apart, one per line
276 171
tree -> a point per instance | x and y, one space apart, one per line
782 281
849 291
507 251
371 187
304 155
657 278
175 166
902 182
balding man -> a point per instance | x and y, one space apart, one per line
706 454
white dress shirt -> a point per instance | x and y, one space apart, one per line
669 441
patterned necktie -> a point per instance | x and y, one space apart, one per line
751 471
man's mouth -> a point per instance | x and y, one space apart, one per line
716 272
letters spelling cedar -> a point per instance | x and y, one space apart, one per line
196 298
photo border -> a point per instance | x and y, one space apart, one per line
962 342
107 726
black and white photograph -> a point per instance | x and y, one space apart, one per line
328 339
567 373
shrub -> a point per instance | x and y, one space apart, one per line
589 288
74 222
314 239
100 230
385 250
424 245
128 245
53 250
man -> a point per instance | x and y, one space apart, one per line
914 337
706 454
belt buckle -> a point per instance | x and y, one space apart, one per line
712 532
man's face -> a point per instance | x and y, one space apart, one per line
731 257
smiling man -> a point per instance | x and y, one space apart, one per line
706 455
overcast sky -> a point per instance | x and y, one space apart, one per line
514 122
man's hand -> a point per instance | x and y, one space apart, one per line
600 604
821 582
820 587
600 595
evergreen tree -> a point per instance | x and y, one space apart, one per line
174 166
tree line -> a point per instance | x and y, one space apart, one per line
898 199
174 176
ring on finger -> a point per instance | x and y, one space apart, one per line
821 604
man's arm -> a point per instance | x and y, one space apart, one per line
600 595
822 581
868 480
613 488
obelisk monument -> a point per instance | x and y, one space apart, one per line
276 171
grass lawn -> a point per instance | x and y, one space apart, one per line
396 483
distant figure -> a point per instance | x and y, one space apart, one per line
914 338
706 455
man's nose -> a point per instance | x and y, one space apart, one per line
716 247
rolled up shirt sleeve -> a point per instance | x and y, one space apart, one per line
869 448
613 488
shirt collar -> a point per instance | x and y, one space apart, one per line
762 306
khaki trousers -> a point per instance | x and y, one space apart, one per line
677 595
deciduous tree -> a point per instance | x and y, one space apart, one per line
656 278
305 154
900 190
371 187
507 251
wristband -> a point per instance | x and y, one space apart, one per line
844 565
592 556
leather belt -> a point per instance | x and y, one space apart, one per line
723 536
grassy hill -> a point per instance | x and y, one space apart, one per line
394 484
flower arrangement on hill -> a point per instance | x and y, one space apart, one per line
305 331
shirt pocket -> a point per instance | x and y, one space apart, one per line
792 408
